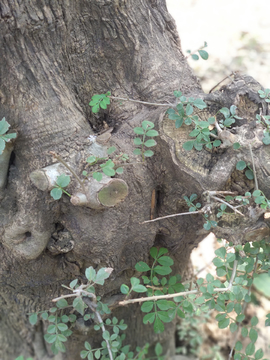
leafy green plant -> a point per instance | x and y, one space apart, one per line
100 101
107 167
204 130
261 199
196 207
265 94
145 131
4 137
61 182
241 165
22 358
202 53
265 121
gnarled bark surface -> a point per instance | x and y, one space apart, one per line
55 56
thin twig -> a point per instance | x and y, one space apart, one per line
91 306
254 169
173 215
225 202
141 102
69 168
227 77
183 293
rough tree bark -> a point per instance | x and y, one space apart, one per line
54 56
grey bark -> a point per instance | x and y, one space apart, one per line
55 56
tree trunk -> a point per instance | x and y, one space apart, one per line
55 55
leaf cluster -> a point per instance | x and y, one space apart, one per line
145 131
265 121
100 101
4 138
202 53
61 182
108 167
241 165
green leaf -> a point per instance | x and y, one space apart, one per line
162 251
230 257
111 150
158 349
83 354
195 57
4 126
119 170
102 274
153 252
44 315
51 329
165 261
2 145
204 54
254 321
147 306
158 326
63 180
90 273
62 327
73 283
223 323
150 143
240 318
62 337
50 338
106 335
236 145
56 193
225 111
253 335
221 252
199 103
262 284
233 327
147 125
249 174
79 305
179 122
137 141
216 143
152 133
124 289
108 171
138 130
238 346
148 153
259 354
244 332
62 303
149 318
250 349
33 317
142 266
91 159
139 288
97 176
137 152
188 145
189 110
162 270
87 345
241 165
